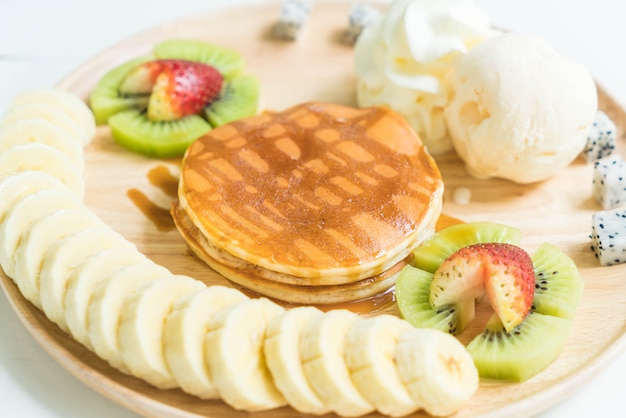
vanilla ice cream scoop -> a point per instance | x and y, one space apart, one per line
402 61
519 109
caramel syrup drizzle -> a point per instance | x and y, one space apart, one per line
161 177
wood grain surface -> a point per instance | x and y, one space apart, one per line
319 67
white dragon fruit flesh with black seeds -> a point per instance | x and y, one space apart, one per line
608 236
601 139
609 181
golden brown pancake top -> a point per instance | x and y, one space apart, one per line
317 186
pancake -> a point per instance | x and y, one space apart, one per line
317 198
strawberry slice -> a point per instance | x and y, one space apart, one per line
140 80
504 272
177 88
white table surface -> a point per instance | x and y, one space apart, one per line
43 40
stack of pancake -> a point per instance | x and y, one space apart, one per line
317 204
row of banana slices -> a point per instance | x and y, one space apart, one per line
173 331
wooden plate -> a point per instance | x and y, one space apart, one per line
132 194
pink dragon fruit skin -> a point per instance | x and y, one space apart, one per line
609 181
608 236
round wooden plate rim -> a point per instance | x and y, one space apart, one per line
145 400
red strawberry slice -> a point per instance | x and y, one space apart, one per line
504 272
177 88
140 80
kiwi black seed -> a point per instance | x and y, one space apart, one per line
105 100
160 139
558 285
413 297
238 98
522 353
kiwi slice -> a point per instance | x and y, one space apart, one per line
558 285
521 353
444 243
164 139
105 99
229 63
413 297
239 98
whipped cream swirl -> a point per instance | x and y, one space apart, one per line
403 60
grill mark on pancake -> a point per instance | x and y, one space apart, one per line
226 168
328 196
363 189
345 241
200 183
374 227
346 185
327 135
317 166
367 179
269 206
226 133
288 147
274 130
334 157
421 188
254 160
385 170
242 222
355 152
309 250
251 189
308 121
255 120
264 219
237 142
306 203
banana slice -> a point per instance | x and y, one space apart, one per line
22 184
184 333
436 369
23 214
40 110
42 157
28 131
370 349
234 351
36 240
282 354
105 307
63 256
70 104
141 327
84 279
322 352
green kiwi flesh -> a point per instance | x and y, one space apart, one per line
412 293
105 99
530 347
525 351
229 63
132 129
444 243
238 99
558 285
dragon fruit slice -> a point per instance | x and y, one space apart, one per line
608 236
601 138
609 181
